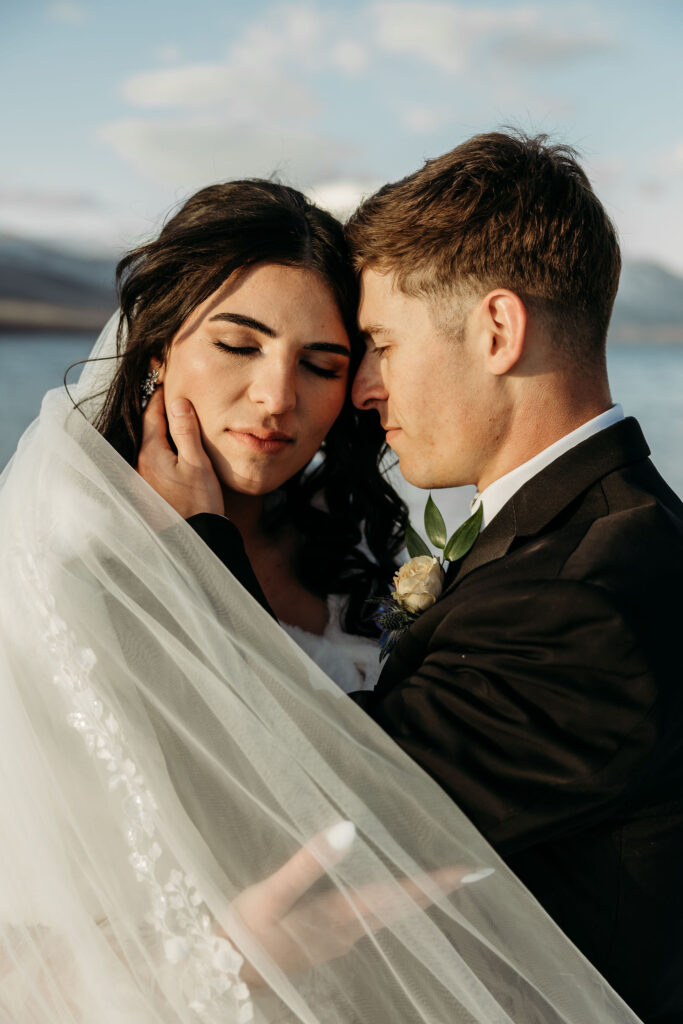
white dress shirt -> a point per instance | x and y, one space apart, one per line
501 490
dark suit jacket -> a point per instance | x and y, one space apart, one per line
543 692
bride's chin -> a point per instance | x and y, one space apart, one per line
249 486
255 484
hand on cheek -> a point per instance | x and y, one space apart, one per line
187 481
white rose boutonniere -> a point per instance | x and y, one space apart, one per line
419 582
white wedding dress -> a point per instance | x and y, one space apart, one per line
351 661
156 766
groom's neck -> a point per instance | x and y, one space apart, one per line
545 414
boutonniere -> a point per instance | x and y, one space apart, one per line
419 581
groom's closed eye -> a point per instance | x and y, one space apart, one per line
372 334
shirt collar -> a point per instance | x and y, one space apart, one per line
501 490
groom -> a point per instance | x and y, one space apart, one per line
543 689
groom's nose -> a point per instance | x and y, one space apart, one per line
368 387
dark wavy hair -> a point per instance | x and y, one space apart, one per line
341 503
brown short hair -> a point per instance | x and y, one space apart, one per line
502 210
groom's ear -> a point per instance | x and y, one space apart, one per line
503 322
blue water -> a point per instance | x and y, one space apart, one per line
647 380
31 364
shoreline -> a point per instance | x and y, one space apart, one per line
44 318
23 316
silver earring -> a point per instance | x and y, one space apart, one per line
149 386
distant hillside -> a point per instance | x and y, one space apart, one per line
649 305
47 288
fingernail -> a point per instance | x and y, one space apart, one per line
476 876
180 407
341 835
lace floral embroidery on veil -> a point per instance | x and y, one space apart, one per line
210 976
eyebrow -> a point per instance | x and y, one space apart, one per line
371 329
329 346
257 325
245 321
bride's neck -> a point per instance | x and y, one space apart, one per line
246 511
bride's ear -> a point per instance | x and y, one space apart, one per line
159 365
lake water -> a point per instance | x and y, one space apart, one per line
647 380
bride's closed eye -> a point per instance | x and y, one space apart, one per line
249 350
239 349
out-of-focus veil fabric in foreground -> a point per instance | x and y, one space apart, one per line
164 746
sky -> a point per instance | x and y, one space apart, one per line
112 113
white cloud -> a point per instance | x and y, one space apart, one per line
543 48
188 153
652 189
649 228
252 114
67 12
168 53
448 36
605 173
293 35
343 196
241 96
675 158
255 111
422 119
350 57
69 218
442 34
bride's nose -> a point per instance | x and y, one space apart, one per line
274 386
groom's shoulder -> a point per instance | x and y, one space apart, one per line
622 536
642 525
629 518
625 531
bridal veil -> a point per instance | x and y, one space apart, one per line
165 747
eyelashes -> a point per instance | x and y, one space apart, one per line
249 350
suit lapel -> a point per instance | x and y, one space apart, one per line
492 543
547 494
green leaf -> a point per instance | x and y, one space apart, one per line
464 537
434 524
416 546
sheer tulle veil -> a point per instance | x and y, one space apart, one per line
166 747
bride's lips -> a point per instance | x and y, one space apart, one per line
267 441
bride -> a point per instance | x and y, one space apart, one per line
261 336
197 824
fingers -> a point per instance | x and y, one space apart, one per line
376 905
293 879
430 887
155 456
184 428
183 476
154 420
